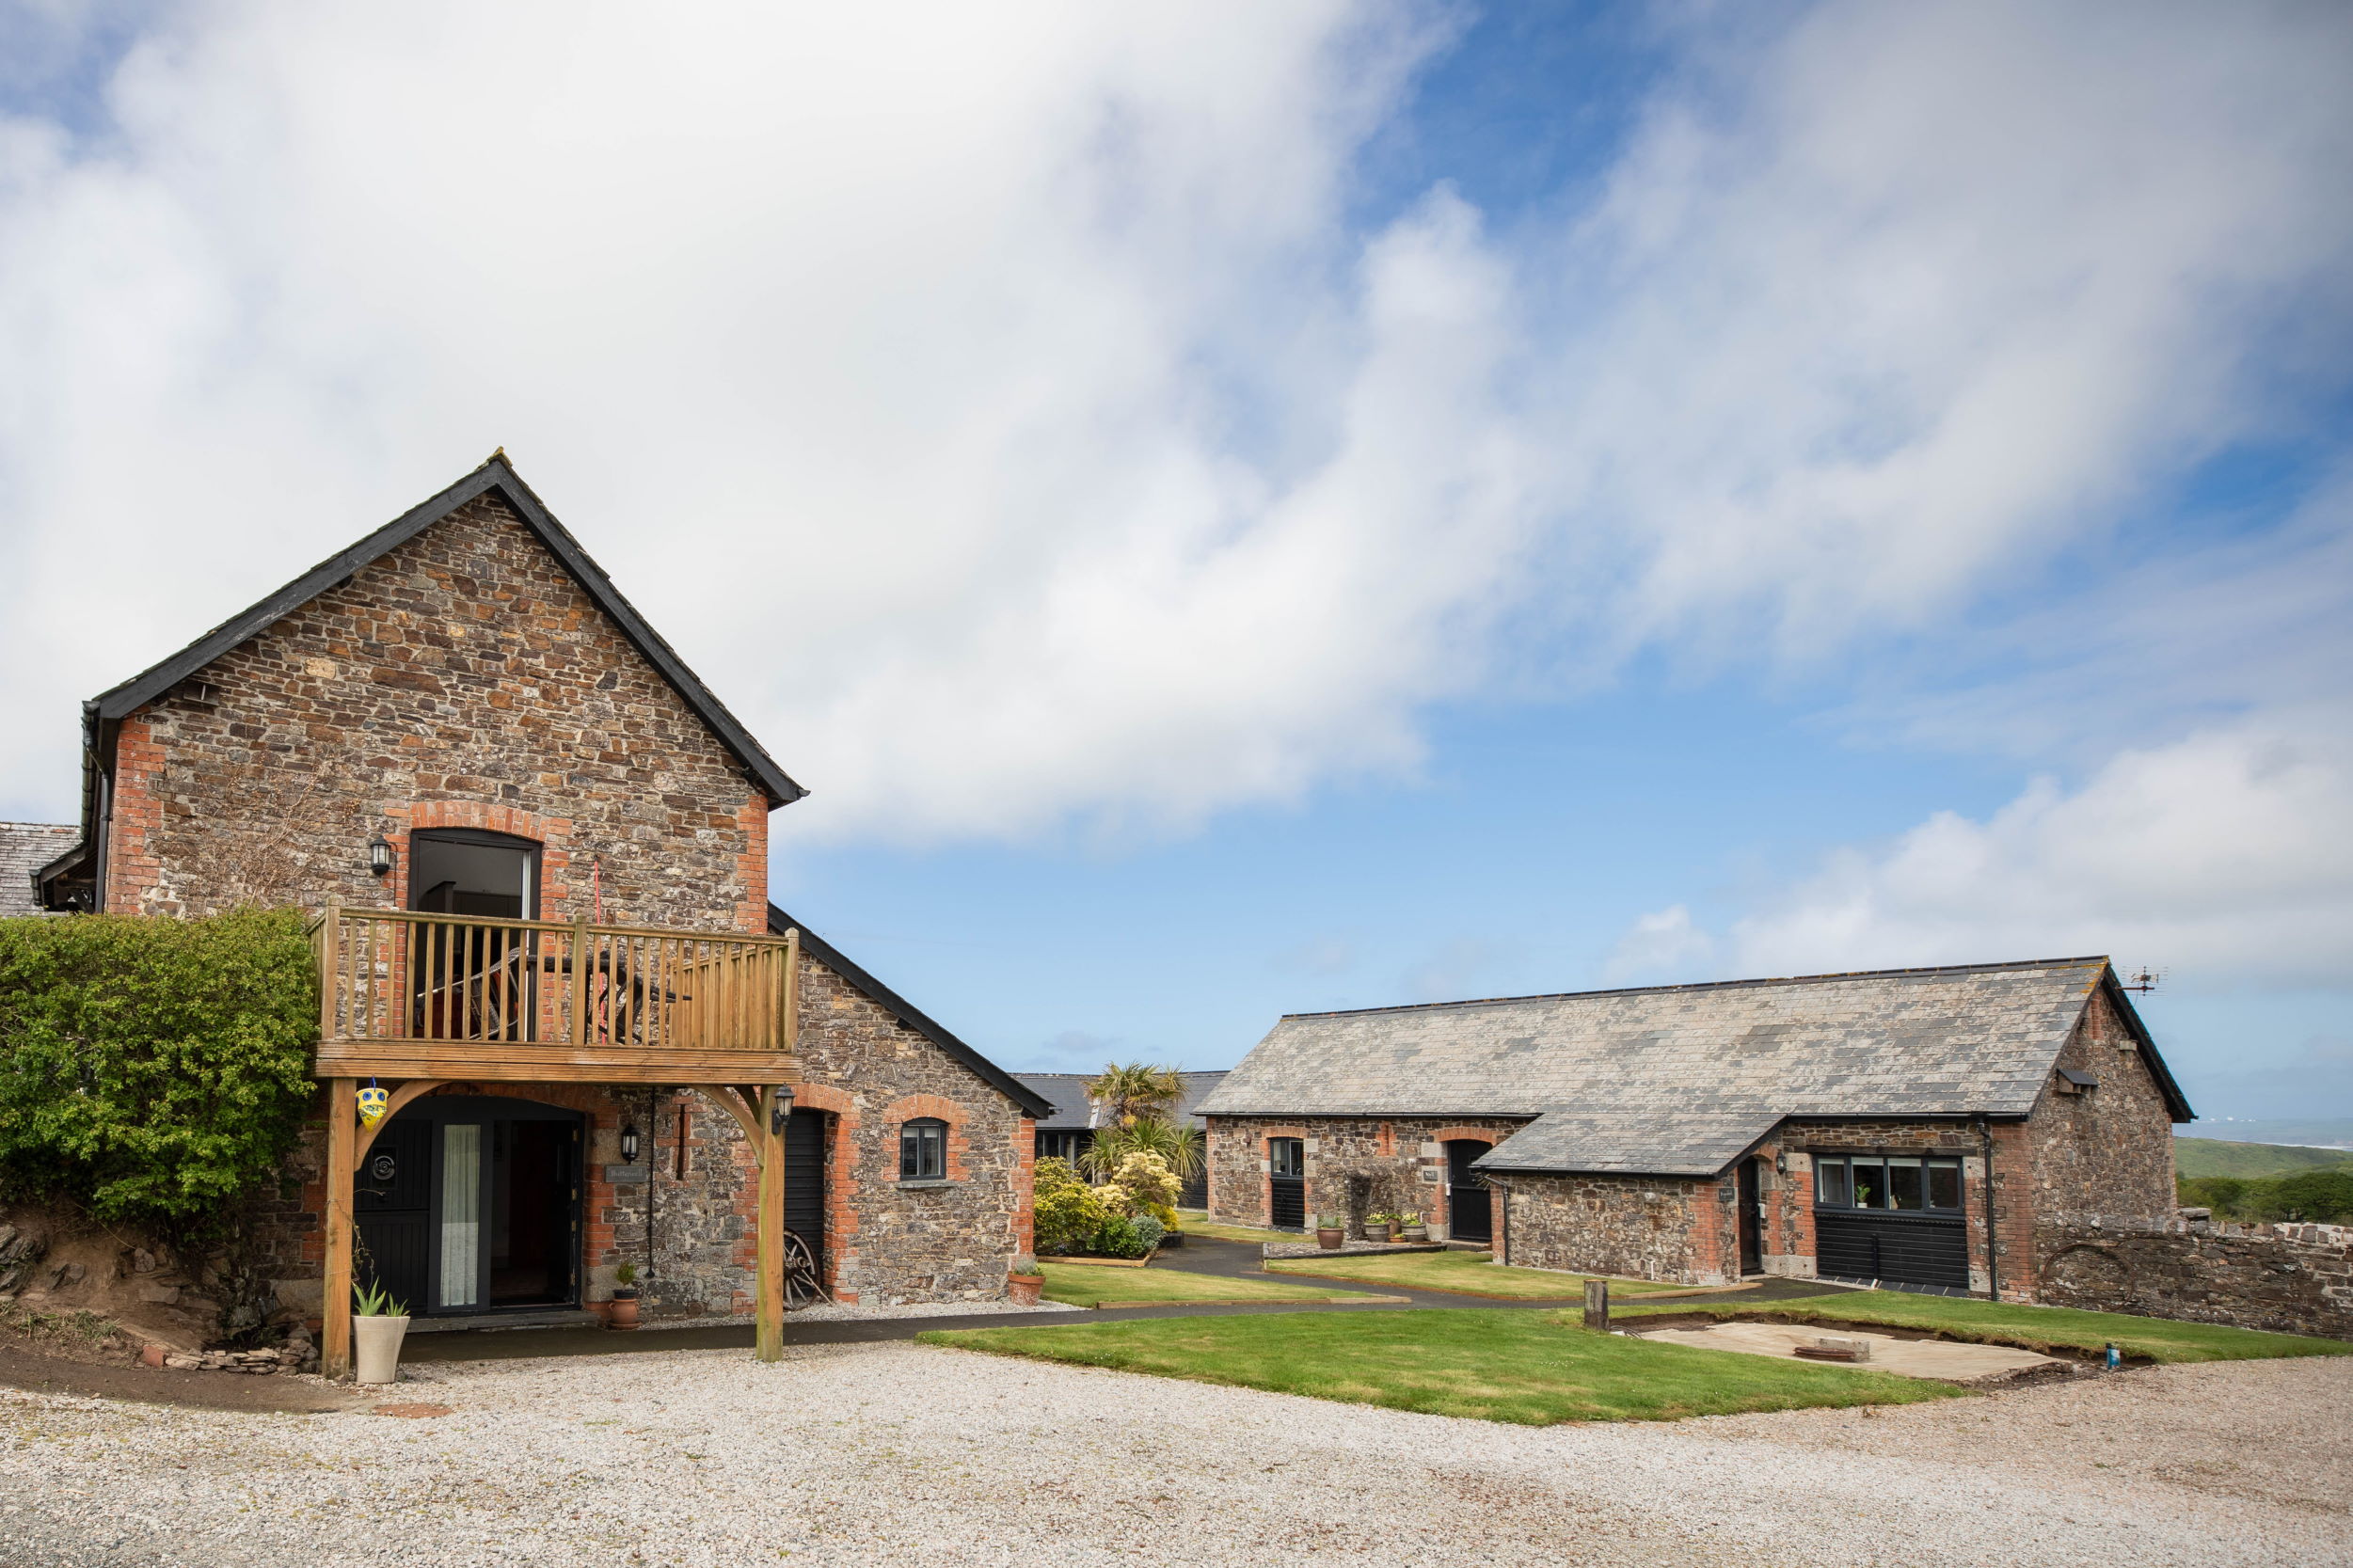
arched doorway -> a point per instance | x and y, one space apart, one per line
470 1204
1469 1212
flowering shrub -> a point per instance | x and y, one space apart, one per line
1067 1214
1141 1184
1147 1231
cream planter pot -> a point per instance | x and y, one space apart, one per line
376 1344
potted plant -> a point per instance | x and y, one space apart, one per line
624 1313
1330 1230
1410 1226
1026 1280
378 1326
1376 1228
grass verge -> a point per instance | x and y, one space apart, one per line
1466 1273
1075 1285
1524 1367
2038 1329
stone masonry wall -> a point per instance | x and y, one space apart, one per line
2108 1150
1788 1229
463 680
885 1240
2287 1278
1633 1226
1400 1160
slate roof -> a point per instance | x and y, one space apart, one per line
1976 1039
1074 1112
906 1012
1659 1143
25 848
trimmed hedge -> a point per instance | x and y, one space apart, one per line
153 1069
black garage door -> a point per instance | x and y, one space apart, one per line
1903 1249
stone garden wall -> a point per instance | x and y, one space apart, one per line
2289 1278
1634 1226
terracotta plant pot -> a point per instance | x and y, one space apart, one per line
623 1313
376 1343
1024 1288
151 1355
1329 1239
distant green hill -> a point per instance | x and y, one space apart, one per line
2195 1157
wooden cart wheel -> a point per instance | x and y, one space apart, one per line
801 1284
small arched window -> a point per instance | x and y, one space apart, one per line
923 1149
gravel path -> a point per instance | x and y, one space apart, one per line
901 1453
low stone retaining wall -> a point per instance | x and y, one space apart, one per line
2288 1279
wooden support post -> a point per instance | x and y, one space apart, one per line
768 1334
581 1034
1598 1306
343 1154
330 935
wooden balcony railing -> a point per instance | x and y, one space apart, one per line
407 994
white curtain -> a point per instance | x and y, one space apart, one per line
461 1214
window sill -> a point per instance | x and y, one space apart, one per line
927 1182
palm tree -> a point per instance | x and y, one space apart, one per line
1136 1092
1179 1148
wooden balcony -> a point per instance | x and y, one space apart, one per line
409 995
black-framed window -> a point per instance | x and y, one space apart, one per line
1286 1156
923 1149
1921 1183
1066 1143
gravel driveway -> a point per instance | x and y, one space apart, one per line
901 1453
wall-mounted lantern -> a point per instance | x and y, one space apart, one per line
380 856
779 1108
628 1145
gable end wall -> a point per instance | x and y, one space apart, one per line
463 679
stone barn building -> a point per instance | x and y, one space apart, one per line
1910 1126
537 846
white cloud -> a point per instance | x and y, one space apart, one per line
998 404
1664 944
2223 856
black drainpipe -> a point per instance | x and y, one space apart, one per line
1993 1241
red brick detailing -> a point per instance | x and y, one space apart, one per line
752 866
915 1106
134 839
841 1178
1024 1186
1468 1134
1387 1143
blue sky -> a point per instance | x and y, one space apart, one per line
1259 509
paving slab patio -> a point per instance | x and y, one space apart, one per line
1953 1361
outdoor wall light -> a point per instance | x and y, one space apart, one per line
380 856
628 1145
779 1108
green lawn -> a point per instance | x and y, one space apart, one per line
1469 1273
2042 1328
1197 1224
1527 1368
1077 1284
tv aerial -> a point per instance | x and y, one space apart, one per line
2145 981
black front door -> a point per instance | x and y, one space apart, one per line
1751 1220
392 1193
470 1204
1470 1216
1286 1183
805 1181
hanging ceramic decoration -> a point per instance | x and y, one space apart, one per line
373 1103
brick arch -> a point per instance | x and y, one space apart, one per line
553 834
1467 1134
1283 1131
914 1106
